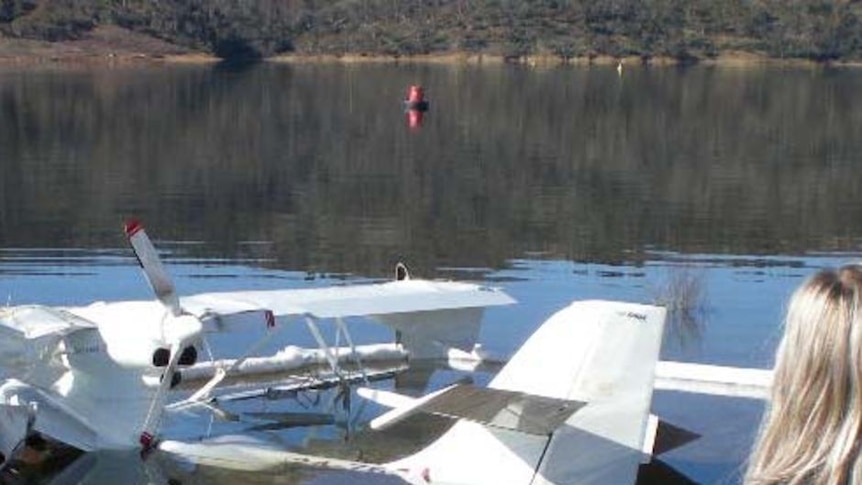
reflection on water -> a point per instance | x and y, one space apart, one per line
316 161
683 293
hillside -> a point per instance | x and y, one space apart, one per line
680 30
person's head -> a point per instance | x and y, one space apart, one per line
813 423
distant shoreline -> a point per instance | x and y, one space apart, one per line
729 59
109 45
110 58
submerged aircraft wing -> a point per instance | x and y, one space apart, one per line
406 296
517 411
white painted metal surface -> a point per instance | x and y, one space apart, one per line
600 352
619 347
406 296
246 454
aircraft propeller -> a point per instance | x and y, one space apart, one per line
155 273
180 329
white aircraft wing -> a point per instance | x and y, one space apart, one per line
352 300
396 297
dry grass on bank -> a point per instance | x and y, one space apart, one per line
103 45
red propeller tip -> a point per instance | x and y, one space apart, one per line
146 441
132 227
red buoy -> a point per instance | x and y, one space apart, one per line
416 98
416 94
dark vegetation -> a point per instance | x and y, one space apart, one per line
686 30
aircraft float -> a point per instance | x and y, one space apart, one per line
571 405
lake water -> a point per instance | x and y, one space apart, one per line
554 184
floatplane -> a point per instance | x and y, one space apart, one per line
572 405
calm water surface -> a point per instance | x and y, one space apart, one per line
555 184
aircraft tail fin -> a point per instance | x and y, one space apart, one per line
598 352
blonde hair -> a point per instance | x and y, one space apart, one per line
811 430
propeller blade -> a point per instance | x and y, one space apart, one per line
155 273
154 415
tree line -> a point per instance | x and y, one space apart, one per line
685 30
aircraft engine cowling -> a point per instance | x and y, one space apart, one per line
155 356
89 351
132 357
